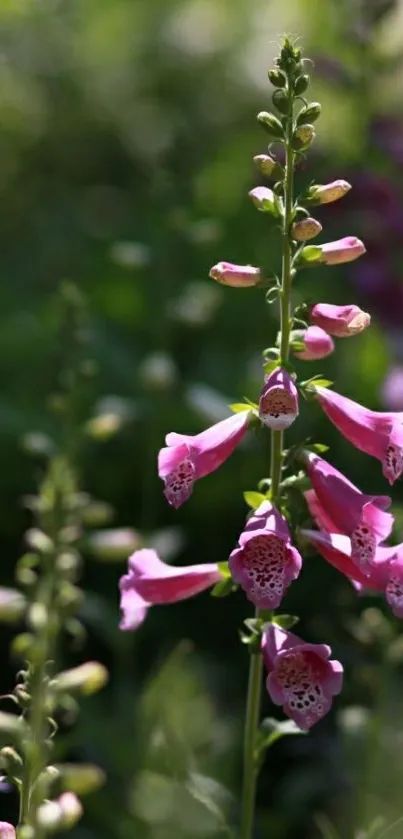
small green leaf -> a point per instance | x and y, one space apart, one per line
318 448
271 730
254 499
316 381
223 589
285 621
238 407
224 570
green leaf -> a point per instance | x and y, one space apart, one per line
224 570
285 621
272 730
238 407
315 381
254 499
318 448
223 589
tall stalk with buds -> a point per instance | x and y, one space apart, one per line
351 527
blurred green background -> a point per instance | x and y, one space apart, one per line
127 131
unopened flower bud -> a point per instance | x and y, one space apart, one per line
81 778
86 679
263 199
96 513
12 605
327 193
271 124
62 813
280 101
277 78
303 136
301 84
114 544
309 114
39 541
7 831
343 250
317 343
10 762
237 276
341 321
268 166
11 726
305 229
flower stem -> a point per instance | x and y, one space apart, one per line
250 765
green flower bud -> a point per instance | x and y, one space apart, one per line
85 679
12 605
280 101
271 125
301 84
277 78
82 778
11 762
310 113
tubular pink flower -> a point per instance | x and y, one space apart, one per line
150 582
301 677
327 193
373 432
386 573
359 516
265 562
237 276
187 458
340 321
263 199
278 403
318 344
342 250
7 831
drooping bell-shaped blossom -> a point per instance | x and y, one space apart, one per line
302 678
265 562
342 250
151 582
263 198
327 193
278 403
237 276
361 517
373 432
386 574
340 321
186 458
317 344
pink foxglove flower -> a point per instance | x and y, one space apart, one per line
342 250
317 344
340 321
151 582
237 276
278 403
265 562
188 458
373 432
386 573
7 831
359 516
263 199
301 677
327 193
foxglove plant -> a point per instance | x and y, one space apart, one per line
352 526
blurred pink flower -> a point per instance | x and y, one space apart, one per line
341 321
237 276
379 434
190 457
392 389
7 831
278 403
359 516
318 344
265 562
301 677
151 582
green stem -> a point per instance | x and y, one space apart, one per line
250 765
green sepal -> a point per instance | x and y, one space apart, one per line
285 621
238 407
223 588
317 448
309 255
271 365
271 730
254 499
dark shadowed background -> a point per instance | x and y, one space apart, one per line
127 131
